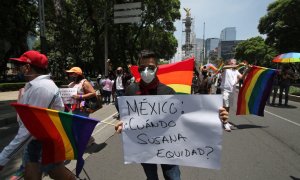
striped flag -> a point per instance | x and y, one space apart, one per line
64 136
255 91
177 75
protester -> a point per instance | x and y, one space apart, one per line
284 85
274 89
120 84
39 91
107 88
150 85
194 88
84 91
203 83
230 77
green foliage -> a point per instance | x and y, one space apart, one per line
76 34
282 25
295 90
18 19
11 86
255 51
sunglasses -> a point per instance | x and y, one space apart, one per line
142 68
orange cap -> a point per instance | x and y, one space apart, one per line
76 70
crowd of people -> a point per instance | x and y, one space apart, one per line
41 91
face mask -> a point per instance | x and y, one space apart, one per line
119 72
72 78
20 76
148 75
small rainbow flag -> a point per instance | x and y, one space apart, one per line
177 75
220 67
64 136
255 91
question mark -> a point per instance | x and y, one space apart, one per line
212 149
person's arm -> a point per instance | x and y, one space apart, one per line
17 144
243 76
233 66
88 89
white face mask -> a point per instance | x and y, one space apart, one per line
148 75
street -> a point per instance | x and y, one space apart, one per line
258 148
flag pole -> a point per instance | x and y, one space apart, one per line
107 123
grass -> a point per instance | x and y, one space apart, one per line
295 90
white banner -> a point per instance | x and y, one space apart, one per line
172 129
67 93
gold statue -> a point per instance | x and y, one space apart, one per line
188 11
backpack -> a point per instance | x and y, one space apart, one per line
93 104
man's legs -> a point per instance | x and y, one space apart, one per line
31 157
280 95
60 172
226 104
286 95
32 171
118 93
150 171
275 89
171 172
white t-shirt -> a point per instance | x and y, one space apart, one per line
38 92
229 79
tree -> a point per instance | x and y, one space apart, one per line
281 24
255 51
17 20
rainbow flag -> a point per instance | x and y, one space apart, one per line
255 91
64 136
177 75
220 67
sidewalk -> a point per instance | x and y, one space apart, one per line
8 115
9 95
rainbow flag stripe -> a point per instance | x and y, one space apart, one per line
64 136
255 91
176 75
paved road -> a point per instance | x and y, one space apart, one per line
258 148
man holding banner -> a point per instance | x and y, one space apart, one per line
39 91
230 77
150 85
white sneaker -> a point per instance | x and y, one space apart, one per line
227 127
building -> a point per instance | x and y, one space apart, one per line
210 45
199 50
226 49
228 34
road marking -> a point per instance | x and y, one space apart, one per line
283 118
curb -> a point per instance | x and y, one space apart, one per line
294 98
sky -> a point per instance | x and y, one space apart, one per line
218 14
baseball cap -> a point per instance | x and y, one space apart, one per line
33 57
76 70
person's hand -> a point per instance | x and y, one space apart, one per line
77 97
1 167
223 114
119 127
241 64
